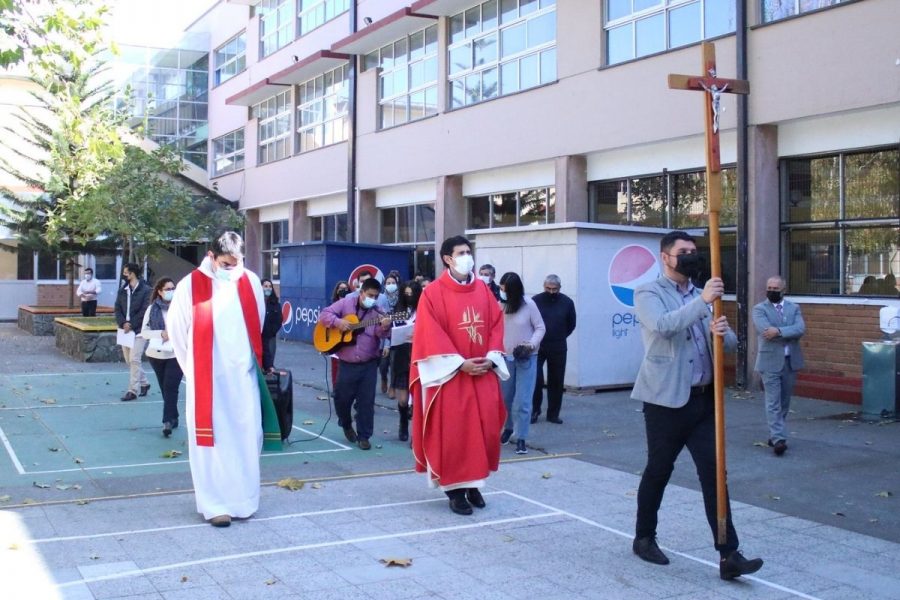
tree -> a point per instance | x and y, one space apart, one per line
11 48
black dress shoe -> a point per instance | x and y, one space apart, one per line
736 565
128 397
475 498
350 435
144 389
556 420
460 505
504 437
167 429
534 417
647 549
779 447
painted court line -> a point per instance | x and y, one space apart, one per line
630 536
275 551
11 452
314 513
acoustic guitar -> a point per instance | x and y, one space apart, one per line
332 339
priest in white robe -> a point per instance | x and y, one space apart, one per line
212 319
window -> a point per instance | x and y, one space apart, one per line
773 10
511 209
670 200
841 223
500 47
407 224
230 58
273 234
228 153
276 25
274 127
322 111
315 13
330 228
636 28
407 83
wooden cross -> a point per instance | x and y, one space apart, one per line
714 87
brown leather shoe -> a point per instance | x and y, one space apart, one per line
364 444
220 521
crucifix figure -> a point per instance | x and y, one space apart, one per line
713 87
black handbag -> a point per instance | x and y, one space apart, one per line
521 352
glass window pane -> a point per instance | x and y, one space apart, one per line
616 9
650 35
416 74
485 50
778 9
417 45
688 200
430 70
405 216
528 71
479 212
400 81
505 209
417 105
542 29
458 93
684 25
509 77
548 65
460 58
546 3
431 40
400 51
489 15
457 28
869 254
431 104
872 188
648 201
512 40
642 4
719 18
473 88
813 189
619 44
527 6
473 22
533 207
608 201
813 261
509 10
342 232
424 223
388 225
489 87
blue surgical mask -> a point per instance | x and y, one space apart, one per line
267 291
390 288
368 302
223 274
503 295
168 295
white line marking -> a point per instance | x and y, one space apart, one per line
330 511
321 437
87 405
359 540
11 452
68 374
630 536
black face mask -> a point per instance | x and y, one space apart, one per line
689 265
773 296
342 293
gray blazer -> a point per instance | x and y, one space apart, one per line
770 355
666 371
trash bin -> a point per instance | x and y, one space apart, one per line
881 380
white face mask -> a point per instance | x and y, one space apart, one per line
88 277
503 295
223 274
390 288
464 264
485 278
168 295
368 302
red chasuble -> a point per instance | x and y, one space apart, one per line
457 435
201 291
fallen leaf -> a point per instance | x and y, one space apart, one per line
761 444
309 422
868 443
184 578
63 487
546 476
5 498
316 486
873 520
76 487
322 397
43 486
839 514
271 581
78 461
29 501
378 446
291 484
53 449
48 401
396 562
775 497
13 546
884 494
171 454
94 557
83 502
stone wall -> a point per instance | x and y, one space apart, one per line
88 346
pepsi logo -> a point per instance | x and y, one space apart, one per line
631 266
287 317
354 275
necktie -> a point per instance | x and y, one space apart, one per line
780 310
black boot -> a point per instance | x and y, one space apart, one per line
403 432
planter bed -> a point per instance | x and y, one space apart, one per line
38 320
88 339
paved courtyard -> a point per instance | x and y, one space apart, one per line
96 504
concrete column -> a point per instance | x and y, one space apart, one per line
449 214
571 189
367 217
298 224
252 235
763 218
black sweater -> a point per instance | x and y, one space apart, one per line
558 312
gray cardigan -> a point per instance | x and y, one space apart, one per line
524 325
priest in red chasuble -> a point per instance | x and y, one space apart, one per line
457 364
214 324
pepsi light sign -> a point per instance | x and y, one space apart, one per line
631 266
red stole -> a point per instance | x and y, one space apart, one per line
201 291
457 434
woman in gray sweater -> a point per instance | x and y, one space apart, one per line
523 330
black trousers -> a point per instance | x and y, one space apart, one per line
356 384
168 374
668 431
89 308
556 373
269 346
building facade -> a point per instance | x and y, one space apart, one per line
451 116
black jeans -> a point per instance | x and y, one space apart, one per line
356 384
668 431
556 373
168 374
89 308
269 346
